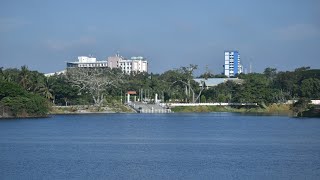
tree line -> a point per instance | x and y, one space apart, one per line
30 92
268 87
23 93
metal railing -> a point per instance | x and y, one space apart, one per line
208 104
159 111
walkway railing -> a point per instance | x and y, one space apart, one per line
207 104
160 111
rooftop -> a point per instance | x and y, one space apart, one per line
210 82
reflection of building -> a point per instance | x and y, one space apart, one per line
134 64
84 61
232 66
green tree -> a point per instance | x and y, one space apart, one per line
203 99
310 88
302 105
11 75
94 81
20 102
9 89
46 89
29 105
256 88
270 73
63 91
24 77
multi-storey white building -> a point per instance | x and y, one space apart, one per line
134 64
113 61
232 66
84 61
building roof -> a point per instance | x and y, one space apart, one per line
55 73
210 82
132 92
96 62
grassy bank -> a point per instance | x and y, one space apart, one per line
271 109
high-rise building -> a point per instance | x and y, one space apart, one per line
232 65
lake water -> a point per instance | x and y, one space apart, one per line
160 146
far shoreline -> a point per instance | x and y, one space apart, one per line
271 110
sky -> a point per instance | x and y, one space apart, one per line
45 34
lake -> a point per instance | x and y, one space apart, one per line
160 146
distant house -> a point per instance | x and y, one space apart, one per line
211 82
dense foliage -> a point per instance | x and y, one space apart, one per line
269 87
20 102
30 92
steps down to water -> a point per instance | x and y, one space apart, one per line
149 108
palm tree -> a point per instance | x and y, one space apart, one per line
46 90
2 77
38 82
24 77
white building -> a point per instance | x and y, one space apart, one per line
55 73
211 82
138 64
84 61
134 64
113 61
232 65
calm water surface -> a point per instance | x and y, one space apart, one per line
163 146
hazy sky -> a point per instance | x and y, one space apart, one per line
44 34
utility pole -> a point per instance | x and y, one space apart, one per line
162 97
121 96
193 97
188 87
141 95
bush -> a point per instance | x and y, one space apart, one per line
8 89
30 105
22 103
301 106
